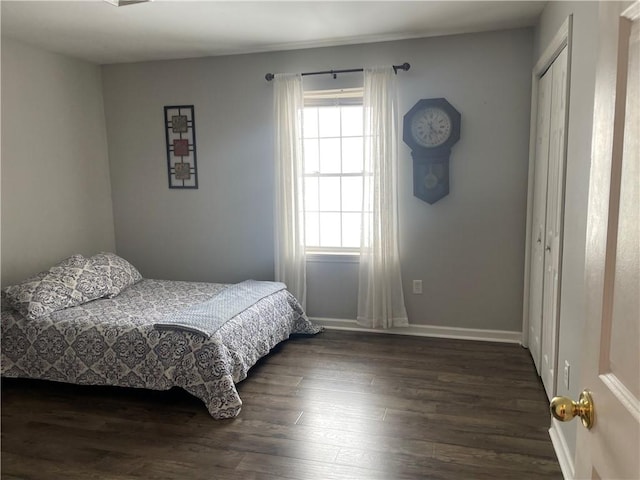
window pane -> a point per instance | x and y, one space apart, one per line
329 194
352 155
312 229
311 156
329 229
330 155
351 229
329 121
351 194
310 125
333 166
352 121
367 153
311 194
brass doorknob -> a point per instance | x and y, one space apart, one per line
565 409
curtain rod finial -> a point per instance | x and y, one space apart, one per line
404 67
269 77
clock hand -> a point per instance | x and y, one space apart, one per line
432 131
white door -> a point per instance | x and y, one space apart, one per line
611 363
539 214
553 224
547 218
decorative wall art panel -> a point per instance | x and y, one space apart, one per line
180 128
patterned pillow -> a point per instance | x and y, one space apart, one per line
120 273
70 283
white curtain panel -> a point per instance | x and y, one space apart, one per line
380 297
290 261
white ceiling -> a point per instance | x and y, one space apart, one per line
98 32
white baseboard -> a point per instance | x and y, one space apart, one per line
425 331
562 451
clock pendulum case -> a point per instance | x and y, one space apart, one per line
431 128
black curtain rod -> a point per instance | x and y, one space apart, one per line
405 66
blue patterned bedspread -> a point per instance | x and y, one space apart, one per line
207 318
112 341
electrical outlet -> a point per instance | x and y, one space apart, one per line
417 286
567 368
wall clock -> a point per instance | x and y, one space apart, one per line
431 127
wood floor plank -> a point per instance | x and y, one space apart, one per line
306 404
304 469
25 468
319 374
339 405
278 379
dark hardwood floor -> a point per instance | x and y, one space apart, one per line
340 405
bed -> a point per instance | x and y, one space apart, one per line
129 340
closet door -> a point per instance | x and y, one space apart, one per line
545 251
554 222
539 213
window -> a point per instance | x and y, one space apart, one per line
333 139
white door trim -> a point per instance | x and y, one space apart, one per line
565 459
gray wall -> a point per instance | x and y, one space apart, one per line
573 299
56 195
467 248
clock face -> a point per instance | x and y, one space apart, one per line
431 127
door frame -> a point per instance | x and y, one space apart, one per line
562 39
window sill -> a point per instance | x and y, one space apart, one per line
333 257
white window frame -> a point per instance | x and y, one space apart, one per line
324 98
